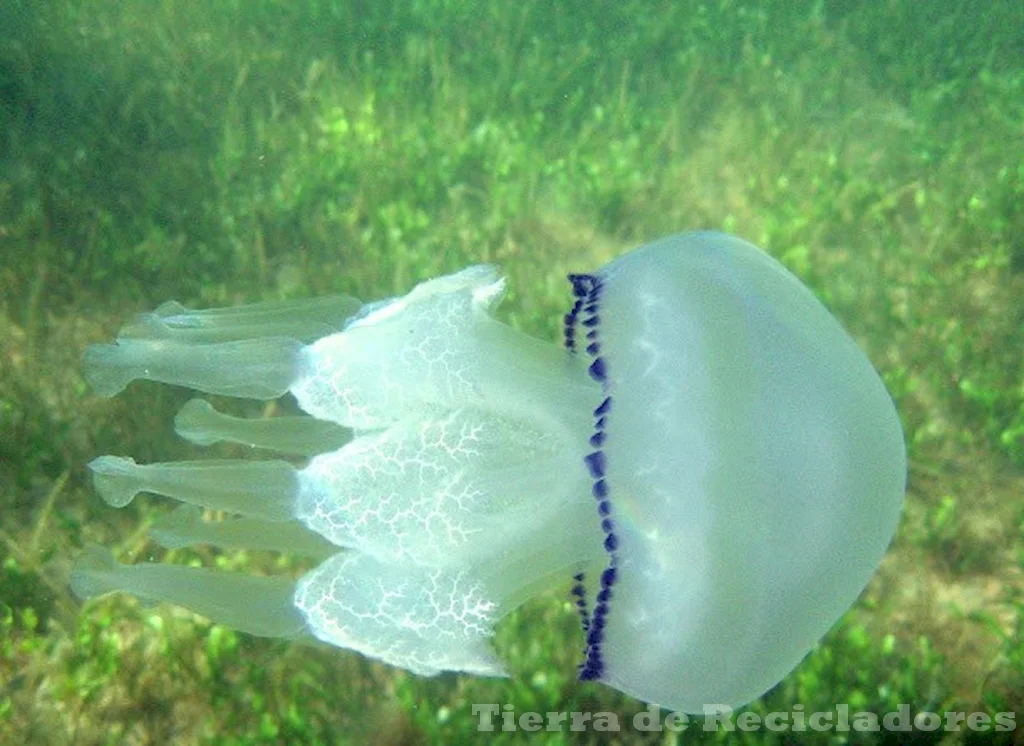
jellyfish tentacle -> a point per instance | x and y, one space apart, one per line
251 368
258 605
304 320
200 423
259 489
251 351
184 527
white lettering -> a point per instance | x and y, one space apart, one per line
508 718
821 720
486 714
530 721
1005 721
717 716
579 721
748 721
648 720
606 721
899 720
676 722
555 720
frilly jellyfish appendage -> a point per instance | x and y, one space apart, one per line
713 460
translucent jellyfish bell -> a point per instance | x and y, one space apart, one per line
713 460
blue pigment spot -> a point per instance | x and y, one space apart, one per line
595 464
608 577
587 290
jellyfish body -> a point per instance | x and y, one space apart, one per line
715 462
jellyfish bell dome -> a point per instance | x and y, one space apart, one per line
714 463
755 467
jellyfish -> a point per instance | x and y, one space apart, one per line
708 460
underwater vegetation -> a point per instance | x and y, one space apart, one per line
722 464
231 153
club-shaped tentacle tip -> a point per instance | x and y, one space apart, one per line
116 479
